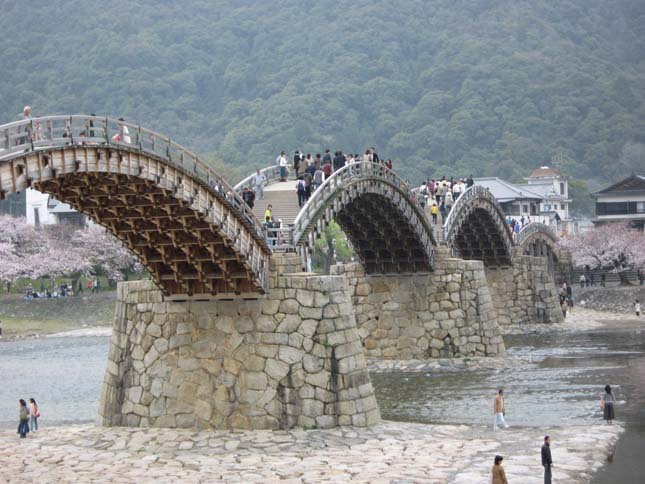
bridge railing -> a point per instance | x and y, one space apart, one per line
270 174
48 132
475 191
532 228
327 191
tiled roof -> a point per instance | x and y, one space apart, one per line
505 191
545 172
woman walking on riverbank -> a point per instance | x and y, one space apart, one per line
607 402
23 425
34 413
498 474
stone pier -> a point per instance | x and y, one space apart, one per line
291 359
447 313
525 292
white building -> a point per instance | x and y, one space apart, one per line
43 209
554 189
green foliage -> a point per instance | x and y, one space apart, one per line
331 248
489 87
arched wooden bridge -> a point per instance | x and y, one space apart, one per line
195 235
190 229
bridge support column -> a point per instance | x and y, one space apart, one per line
524 293
291 359
447 313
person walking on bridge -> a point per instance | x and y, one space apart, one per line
499 409
281 161
258 184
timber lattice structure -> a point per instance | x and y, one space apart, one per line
189 228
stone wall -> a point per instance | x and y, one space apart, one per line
292 359
447 313
524 293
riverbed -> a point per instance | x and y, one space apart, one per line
556 385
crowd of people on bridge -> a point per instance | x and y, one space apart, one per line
440 195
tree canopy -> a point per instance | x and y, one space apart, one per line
489 87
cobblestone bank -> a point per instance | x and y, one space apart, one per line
613 299
389 453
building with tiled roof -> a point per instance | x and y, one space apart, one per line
623 201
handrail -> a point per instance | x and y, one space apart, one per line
532 228
353 171
47 132
270 174
475 191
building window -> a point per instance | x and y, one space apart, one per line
562 206
525 208
561 188
619 208
547 207
36 217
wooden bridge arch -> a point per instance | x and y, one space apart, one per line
189 228
476 228
373 206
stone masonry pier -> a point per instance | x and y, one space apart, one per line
292 359
524 293
447 313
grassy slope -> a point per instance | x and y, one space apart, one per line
26 318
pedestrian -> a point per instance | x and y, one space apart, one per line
318 178
563 306
498 476
281 161
23 425
267 213
637 307
249 197
422 200
258 184
499 409
434 210
327 157
607 402
603 279
583 279
469 181
339 160
297 159
442 209
327 169
34 413
641 277
301 191
547 463
448 201
569 304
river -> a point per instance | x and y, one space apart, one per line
560 384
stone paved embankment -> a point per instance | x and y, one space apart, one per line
390 453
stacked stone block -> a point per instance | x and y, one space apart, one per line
525 292
447 313
292 359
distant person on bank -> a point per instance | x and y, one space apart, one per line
23 416
34 413
547 462
498 476
637 307
499 409
607 402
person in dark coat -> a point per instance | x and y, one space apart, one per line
339 160
547 462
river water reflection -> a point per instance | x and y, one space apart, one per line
560 384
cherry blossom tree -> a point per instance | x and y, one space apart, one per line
60 250
612 246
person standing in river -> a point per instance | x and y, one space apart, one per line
497 471
607 402
547 463
499 410
23 416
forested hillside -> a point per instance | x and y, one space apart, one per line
492 87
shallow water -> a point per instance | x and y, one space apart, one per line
63 375
560 384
